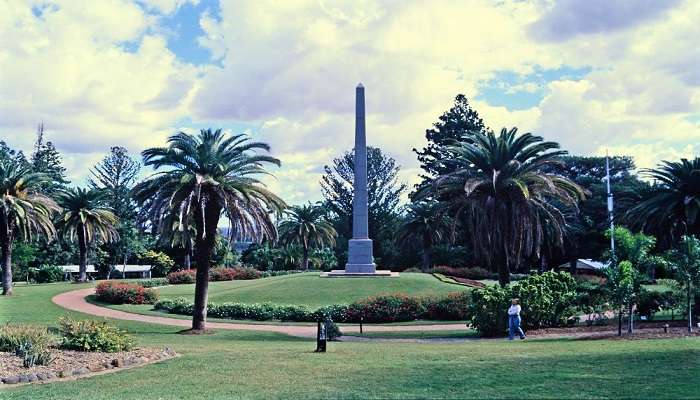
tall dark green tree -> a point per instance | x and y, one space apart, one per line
87 220
507 198
587 239
307 226
425 223
672 208
455 126
200 178
383 191
115 175
25 212
685 258
48 161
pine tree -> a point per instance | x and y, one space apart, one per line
47 160
453 127
116 174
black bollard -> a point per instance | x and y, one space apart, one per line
361 320
321 338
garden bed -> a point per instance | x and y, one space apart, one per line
67 364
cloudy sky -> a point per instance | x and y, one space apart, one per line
622 75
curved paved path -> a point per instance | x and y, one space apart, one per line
75 301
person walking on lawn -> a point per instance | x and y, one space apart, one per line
514 320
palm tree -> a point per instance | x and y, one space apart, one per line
24 211
511 205
427 223
203 177
671 208
88 220
307 226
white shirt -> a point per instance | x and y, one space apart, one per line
514 309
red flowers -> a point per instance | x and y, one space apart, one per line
125 293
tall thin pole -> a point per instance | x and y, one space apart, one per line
610 206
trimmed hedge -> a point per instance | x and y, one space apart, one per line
223 274
153 282
125 293
386 308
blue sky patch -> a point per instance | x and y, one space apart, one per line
183 29
522 91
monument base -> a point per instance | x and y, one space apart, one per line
343 273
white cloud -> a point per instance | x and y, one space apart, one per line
102 75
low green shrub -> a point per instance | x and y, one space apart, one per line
332 330
649 302
13 335
32 355
29 342
151 283
90 335
48 274
385 308
547 300
114 292
336 312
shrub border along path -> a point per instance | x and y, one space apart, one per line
75 301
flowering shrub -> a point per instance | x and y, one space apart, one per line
90 335
125 293
235 273
182 277
386 308
450 308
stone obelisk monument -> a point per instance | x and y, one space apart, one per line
360 258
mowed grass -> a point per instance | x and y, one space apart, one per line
247 364
311 290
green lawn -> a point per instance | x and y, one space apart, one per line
311 290
233 364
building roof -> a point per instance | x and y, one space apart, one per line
120 268
586 264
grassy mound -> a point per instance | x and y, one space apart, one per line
310 290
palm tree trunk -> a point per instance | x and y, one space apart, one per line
6 254
206 239
690 311
426 259
6 251
503 268
82 245
305 260
427 256
188 261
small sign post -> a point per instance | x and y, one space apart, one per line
321 338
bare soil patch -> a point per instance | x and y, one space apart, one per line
71 364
